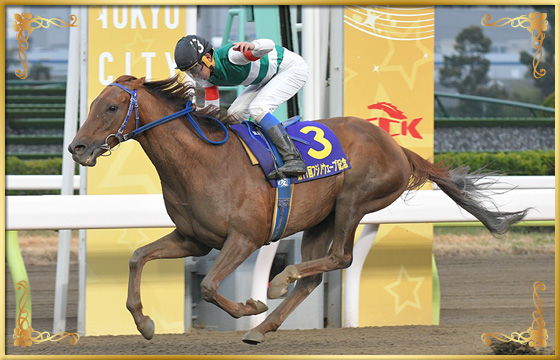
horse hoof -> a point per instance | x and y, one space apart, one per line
279 285
253 337
148 330
258 305
276 291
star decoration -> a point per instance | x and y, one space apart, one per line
405 290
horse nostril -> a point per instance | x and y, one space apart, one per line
76 149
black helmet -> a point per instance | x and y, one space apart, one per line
189 51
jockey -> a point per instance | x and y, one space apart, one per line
272 74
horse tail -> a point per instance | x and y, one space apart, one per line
464 188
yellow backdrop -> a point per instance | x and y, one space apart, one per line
138 41
388 67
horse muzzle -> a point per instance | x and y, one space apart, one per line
85 155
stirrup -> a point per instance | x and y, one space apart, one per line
282 173
276 174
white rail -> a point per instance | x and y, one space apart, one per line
55 212
38 182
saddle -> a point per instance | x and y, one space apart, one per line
317 144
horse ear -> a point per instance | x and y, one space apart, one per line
142 80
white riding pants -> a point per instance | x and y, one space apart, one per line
257 100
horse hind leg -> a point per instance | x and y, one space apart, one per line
338 257
236 249
314 245
348 212
170 246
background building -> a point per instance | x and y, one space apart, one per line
507 42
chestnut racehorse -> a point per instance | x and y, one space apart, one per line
218 200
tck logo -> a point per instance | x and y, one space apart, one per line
407 126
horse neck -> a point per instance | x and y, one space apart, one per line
172 146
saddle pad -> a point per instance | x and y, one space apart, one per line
317 144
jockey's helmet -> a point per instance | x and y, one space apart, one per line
190 51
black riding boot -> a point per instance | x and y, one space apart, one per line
293 164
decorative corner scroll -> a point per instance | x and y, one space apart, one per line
536 24
535 336
24 25
24 335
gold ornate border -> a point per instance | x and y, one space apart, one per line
534 337
536 24
23 26
24 334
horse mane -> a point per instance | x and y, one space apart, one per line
172 90
176 92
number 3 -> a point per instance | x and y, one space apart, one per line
320 138
197 45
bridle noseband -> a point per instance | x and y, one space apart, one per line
119 135
189 108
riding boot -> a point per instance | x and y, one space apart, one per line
293 163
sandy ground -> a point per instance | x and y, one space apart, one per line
479 294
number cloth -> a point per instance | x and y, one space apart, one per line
317 144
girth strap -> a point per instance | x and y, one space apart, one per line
282 209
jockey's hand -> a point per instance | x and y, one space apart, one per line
243 46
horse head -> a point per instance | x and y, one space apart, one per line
107 121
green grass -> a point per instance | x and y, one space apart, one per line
465 241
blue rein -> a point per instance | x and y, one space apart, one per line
189 108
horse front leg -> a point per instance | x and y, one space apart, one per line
236 249
171 246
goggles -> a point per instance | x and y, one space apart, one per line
193 70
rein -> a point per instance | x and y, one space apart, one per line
189 108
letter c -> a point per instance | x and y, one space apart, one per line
109 58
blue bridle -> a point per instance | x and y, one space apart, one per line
189 108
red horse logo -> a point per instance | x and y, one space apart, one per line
395 116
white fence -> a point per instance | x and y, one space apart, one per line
133 211
38 182
55 212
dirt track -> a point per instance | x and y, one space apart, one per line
479 295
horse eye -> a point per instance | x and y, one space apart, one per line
112 108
